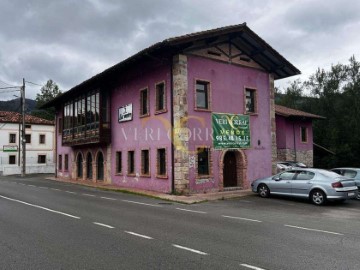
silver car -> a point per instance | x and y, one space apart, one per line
353 173
316 184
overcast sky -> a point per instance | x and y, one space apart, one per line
70 41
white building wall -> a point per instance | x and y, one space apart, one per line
33 149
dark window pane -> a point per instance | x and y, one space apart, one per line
144 102
202 95
131 162
160 96
66 162
28 138
42 159
303 134
41 139
118 162
12 138
203 161
60 162
12 159
145 161
161 162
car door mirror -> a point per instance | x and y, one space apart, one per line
277 178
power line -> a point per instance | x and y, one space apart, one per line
34 83
10 91
5 83
10 87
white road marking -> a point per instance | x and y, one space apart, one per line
104 225
44 187
71 192
56 189
190 249
245 201
107 198
315 230
139 235
22 184
240 218
142 203
90 195
251 266
31 186
40 207
193 211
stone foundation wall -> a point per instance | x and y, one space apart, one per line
306 157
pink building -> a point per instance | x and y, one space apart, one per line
148 121
294 135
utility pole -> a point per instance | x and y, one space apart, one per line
23 139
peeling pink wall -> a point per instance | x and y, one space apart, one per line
227 84
285 130
141 133
62 150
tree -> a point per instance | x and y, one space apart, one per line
47 93
335 94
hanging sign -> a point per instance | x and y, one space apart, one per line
125 113
231 131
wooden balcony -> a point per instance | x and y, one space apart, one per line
90 134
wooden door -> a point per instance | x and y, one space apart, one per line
230 172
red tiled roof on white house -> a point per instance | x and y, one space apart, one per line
15 117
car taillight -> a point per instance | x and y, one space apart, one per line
337 185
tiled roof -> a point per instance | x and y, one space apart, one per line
242 36
287 112
15 117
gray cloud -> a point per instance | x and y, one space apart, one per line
71 40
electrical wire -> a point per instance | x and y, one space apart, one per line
10 87
34 83
10 91
5 83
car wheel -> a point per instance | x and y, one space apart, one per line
263 191
358 195
318 197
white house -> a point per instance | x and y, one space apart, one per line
40 144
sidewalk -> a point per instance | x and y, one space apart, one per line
189 199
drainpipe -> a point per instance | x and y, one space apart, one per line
294 141
172 127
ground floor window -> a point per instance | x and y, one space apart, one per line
203 158
12 159
131 162
60 162
41 159
145 162
118 163
161 162
66 162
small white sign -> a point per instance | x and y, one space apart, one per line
125 113
10 148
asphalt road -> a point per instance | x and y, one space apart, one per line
51 225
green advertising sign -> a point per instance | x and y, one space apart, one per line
230 130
